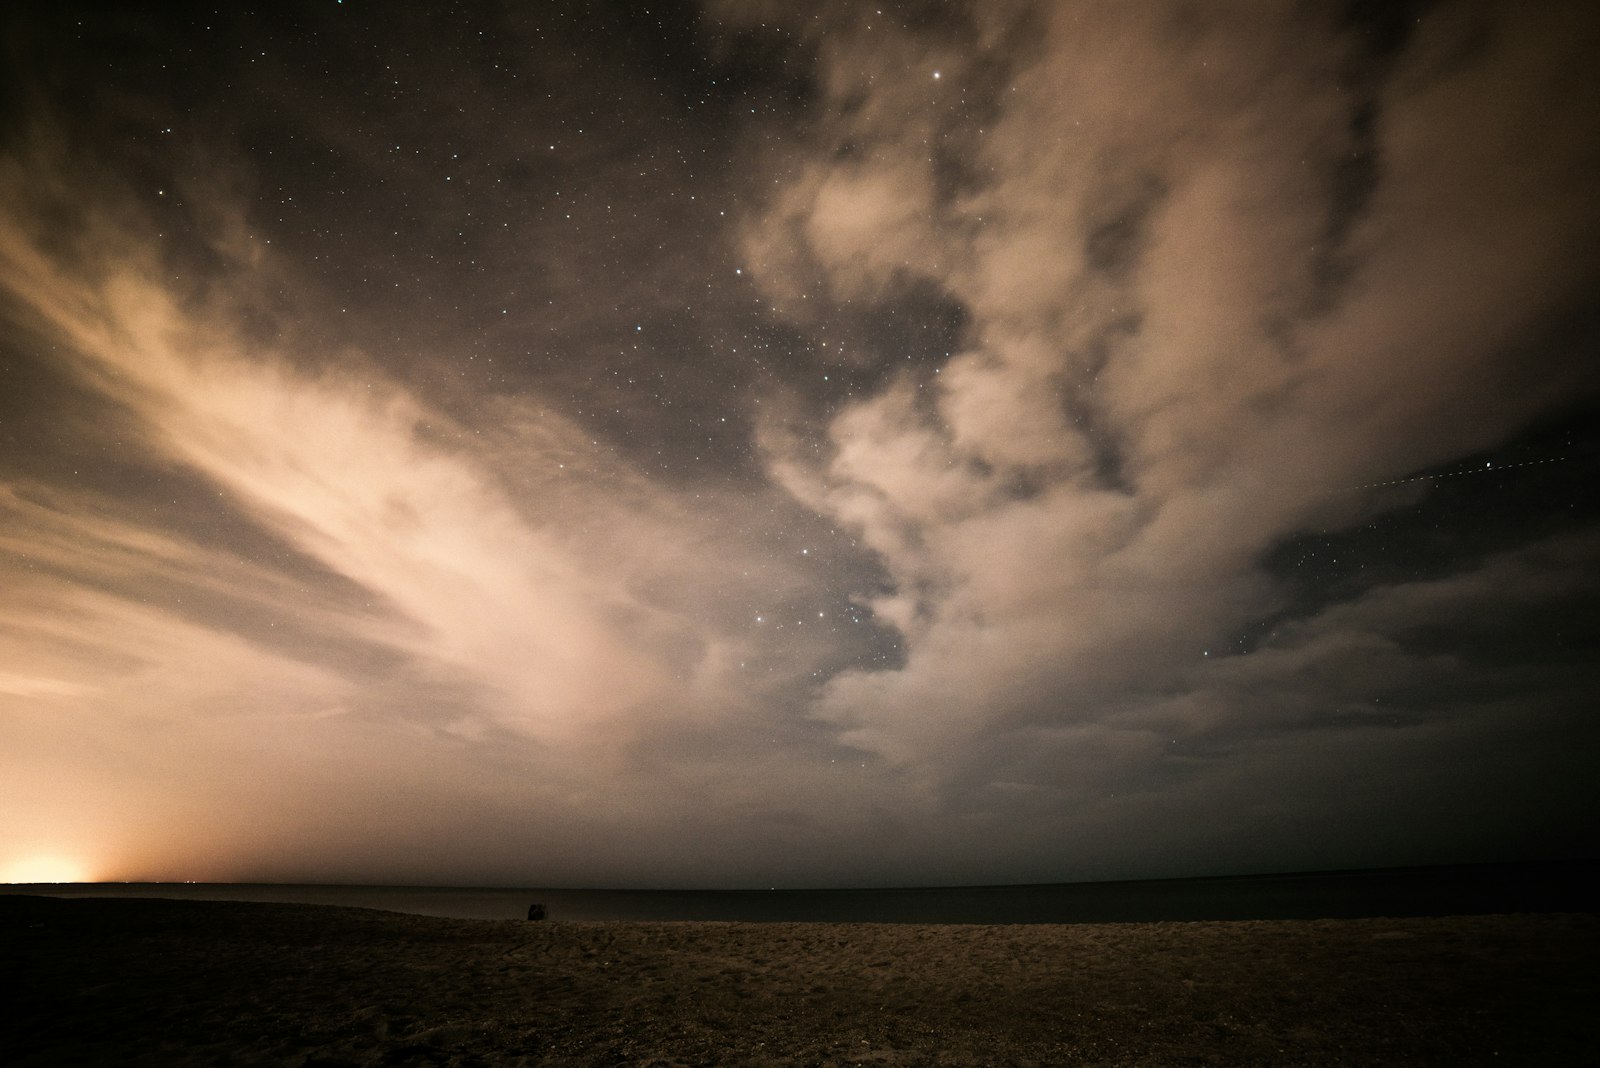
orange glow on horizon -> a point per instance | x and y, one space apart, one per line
43 868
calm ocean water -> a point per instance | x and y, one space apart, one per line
1434 891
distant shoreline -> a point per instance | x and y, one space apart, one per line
1446 890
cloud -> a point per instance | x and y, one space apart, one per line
1166 375
1113 310
382 596
341 467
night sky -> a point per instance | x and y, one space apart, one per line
787 444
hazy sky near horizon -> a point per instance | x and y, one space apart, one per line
748 443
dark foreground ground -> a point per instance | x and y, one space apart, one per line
166 983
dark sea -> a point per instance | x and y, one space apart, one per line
1430 891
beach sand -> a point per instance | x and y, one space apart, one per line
167 982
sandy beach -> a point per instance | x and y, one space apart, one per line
166 982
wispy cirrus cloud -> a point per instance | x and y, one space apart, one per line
511 584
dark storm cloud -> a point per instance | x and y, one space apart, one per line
937 442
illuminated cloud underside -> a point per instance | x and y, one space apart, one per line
288 595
